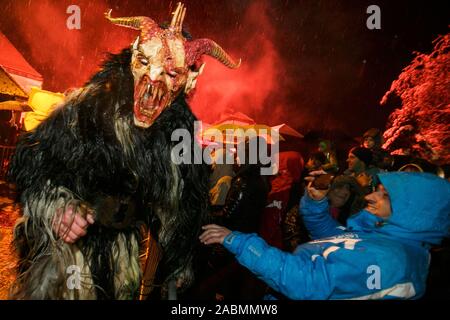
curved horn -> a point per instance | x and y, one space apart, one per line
147 26
196 48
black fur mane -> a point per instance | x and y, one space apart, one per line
77 148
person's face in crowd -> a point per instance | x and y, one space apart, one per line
339 196
313 164
379 203
323 147
369 142
354 164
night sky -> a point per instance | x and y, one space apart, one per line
310 63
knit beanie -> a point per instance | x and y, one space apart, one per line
363 154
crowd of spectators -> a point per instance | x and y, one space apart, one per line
244 201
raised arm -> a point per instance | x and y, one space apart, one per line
314 210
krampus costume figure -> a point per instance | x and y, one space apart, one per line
108 149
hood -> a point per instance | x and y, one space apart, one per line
420 204
289 171
292 162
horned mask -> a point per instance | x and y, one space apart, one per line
164 63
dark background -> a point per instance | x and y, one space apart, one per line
312 64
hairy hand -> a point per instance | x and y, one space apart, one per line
70 225
214 234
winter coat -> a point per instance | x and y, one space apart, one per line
370 259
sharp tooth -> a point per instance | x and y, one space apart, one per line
160 93
155 92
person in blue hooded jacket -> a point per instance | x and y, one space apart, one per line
382 254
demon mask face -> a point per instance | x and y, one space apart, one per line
164 63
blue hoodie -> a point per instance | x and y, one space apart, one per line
370 259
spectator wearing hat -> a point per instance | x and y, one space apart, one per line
331 164
316 161
360 166
373 140
346 197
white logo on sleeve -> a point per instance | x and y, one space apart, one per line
349 243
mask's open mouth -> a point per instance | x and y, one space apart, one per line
150 99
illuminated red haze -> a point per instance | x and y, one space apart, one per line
67 58
248 88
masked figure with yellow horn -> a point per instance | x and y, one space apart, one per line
105 153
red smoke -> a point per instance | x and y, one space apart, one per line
67 58
248 88
311 64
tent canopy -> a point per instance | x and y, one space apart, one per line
238 118
13 105
9 86
14 64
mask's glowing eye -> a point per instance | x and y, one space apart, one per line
143 61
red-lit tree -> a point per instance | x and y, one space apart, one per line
420 126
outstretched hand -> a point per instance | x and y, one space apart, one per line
71 226
314 193
214 234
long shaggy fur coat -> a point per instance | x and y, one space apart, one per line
89 153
